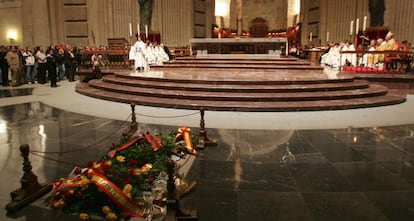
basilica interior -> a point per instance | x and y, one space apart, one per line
295 140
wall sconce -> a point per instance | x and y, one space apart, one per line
11 35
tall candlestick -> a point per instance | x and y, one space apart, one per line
351 28
327 36
364 24
310 37
357 26
146 31
130 29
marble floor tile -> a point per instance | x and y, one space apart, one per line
347 174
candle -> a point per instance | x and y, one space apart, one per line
130 29
310 37
364 24
351 28
357 26
327 36
138 29
146 31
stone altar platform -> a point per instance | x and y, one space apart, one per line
231 85
236 45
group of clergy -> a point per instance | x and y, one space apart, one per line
335 58
148 54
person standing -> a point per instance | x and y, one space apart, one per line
70 64
14 64
60 62
137 53
51 67
41 61
29 64
4 66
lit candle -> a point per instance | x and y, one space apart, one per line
130 29
364 24
357 26
327 36
146 31
351 28
310 37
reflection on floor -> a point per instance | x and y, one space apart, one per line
15 92
342 174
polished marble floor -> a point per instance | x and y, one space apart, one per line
328 165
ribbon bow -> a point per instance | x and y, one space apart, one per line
184 133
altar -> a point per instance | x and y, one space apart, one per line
274 45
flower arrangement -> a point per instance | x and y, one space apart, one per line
130 180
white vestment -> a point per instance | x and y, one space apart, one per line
352 58
137 53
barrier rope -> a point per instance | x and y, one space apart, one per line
86 147
176 116
39 153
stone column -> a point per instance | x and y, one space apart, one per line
239 17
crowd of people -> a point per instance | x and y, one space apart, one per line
56 63
335 56
37 65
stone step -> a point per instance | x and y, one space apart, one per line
237 95
223 87
249 106
218 76
243 66
240 62
236 57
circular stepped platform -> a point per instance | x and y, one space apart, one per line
246 62
239 90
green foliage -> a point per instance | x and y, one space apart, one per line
138 165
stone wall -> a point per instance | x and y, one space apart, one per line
92 22
273 11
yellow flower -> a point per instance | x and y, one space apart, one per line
58 204
120 159
108 162
106 210
143 170
84 182
84 216
127 188
111 217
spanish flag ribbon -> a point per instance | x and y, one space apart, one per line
69 183
153 140
116 194
112 153
184 133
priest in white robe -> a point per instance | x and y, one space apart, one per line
136 53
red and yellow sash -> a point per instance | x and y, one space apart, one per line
116 194
184 133
112 153
153 140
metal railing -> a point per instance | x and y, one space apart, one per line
377 61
